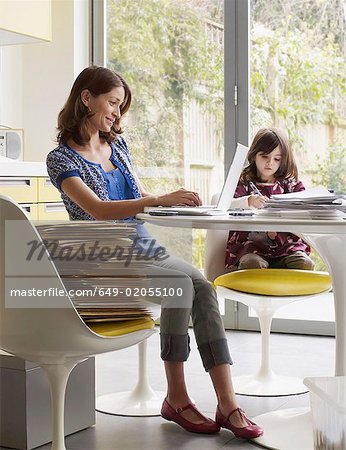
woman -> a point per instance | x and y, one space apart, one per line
92 169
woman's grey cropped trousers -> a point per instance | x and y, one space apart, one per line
196 298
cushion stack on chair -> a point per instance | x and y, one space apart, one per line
121 327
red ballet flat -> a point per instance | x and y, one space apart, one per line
208 426
251 430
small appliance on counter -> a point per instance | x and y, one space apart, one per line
12 143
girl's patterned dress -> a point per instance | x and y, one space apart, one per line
269 245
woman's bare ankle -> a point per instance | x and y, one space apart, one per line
178 400
228 410
227 407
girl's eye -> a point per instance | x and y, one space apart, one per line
277 159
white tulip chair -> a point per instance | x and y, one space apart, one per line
47 329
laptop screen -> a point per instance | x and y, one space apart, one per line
232 178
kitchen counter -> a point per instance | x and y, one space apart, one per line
22 169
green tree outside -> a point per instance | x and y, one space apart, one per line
161 48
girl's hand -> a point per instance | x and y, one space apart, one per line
272 235
180 197
257 201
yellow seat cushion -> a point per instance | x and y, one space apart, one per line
121 327
276 282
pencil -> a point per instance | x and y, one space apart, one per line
255 188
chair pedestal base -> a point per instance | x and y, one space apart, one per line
131 403
286 429
268 386
141 401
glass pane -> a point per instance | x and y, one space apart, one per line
298 82
171 54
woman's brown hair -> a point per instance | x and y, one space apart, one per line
72 119
265 141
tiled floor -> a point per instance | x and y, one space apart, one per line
291 355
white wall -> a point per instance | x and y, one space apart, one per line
35 79
11 92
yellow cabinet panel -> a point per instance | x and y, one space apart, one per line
47 192
31 209
21 189
52 211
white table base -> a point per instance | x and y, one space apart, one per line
269 386
287 429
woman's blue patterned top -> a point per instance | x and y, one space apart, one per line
64 162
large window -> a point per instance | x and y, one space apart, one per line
194 65
298 81
171 54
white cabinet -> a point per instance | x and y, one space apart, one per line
24 21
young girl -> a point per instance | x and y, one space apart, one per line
272 170
92 169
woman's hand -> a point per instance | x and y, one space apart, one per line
180 197
257 201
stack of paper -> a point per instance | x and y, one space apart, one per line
316 203
86 248
315 195
102 275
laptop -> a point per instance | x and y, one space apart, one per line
225 199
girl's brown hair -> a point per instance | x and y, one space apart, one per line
72 119
265 141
